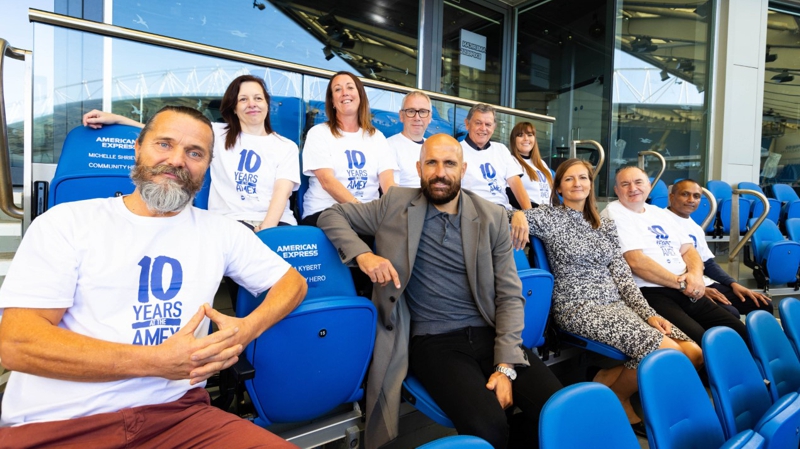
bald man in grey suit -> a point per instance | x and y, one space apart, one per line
449 303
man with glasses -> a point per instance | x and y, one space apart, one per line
415 117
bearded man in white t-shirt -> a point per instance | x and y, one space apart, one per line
106 309
415 116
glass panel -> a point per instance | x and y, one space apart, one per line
780 134
472 50
562 58
375 39
144 78
659 101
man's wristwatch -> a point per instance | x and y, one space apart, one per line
509 372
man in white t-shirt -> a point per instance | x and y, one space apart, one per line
684 198
665 265
491 168
106 309
415 117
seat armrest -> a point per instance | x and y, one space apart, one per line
242 370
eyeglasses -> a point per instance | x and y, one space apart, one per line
410 113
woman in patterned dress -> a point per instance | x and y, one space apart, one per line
594 294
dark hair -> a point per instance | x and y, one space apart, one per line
191 112
536 158
686 180
228 104
364 116
590 213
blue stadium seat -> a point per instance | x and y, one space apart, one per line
724 194
659 195
789 310
792 226
288 117
541 262
457 442
740 399
790 203
94 163
702 212
201 198
677 412
757 207
773 353
603 423
775 259
326 341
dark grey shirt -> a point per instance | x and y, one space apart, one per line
438 293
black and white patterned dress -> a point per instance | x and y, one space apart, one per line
594 294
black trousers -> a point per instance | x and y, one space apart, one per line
454 368
739 307
693 318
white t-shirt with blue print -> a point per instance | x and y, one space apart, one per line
126 279
488 170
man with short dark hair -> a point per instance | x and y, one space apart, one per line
684 198
415 116
106 308
449 304
665 265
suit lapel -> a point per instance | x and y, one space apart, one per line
470 234
416 220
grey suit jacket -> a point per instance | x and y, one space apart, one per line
396 221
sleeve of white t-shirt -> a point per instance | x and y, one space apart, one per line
512 165
250 263
386 156
317 150
44 272
630 236
289 165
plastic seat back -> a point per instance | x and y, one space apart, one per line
537 290
737 387
677 411
773 353
790 203
659 196
723 192
94 163
457 442
327 340
792 226
603 423
757 207
779 257
789 310
201 198
540 255
310 252
288 117
521 260
701 213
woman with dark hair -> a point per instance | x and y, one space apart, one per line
346 158
594 294
254 170
536 177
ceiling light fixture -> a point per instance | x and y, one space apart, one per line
664 75
643 45
259 5
328 53
770 57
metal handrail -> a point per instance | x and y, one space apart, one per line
573 152
658 156
6 190
735 220
104 29
712 201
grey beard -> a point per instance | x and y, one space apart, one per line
164 198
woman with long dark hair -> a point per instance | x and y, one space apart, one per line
536 176
254 170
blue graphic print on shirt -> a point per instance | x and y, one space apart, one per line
156 321
245 174
356 175
489 174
